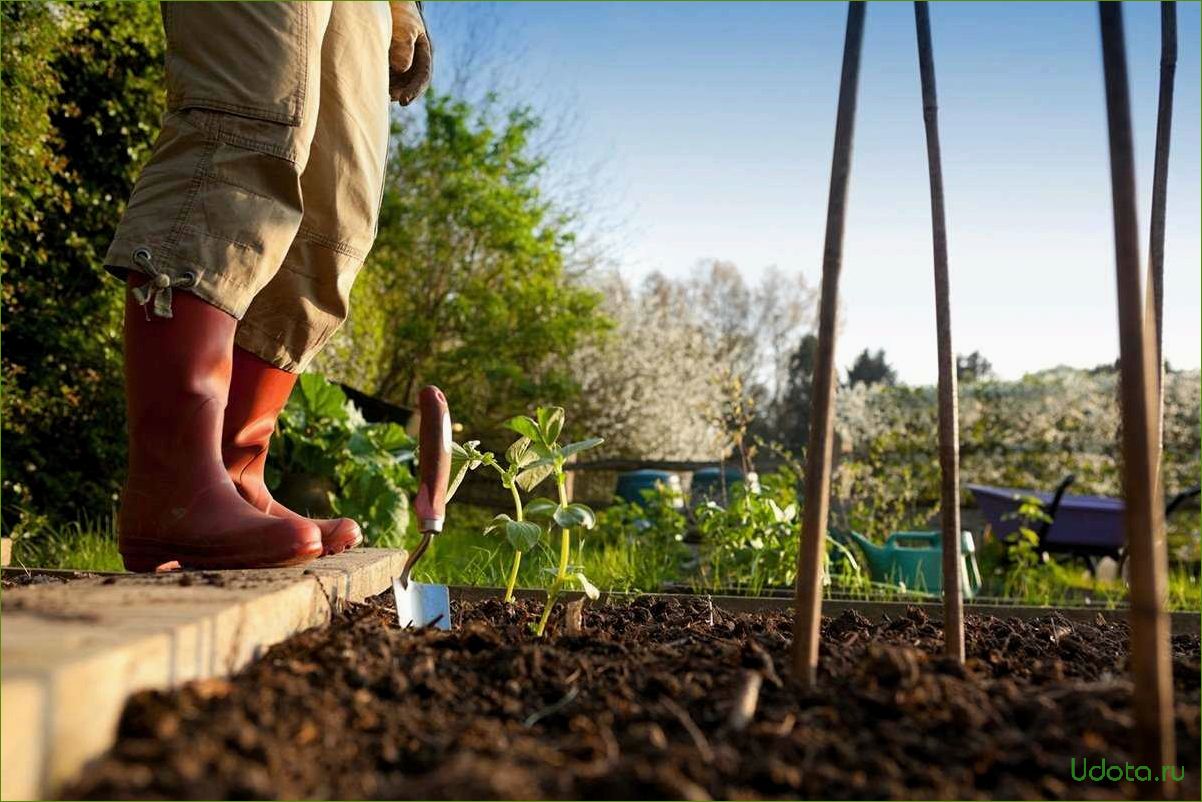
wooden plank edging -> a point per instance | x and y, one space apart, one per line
72 654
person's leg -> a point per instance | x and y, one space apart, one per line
219 203
208 223
290 320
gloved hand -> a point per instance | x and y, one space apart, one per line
410 56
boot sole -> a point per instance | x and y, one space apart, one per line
142 558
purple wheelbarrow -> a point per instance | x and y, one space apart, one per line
1087 526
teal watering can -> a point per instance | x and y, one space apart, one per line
915 559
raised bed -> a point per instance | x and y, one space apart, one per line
642 704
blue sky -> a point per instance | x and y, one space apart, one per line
712 126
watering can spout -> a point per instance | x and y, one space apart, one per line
878 557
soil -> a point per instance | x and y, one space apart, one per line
13 578
639 706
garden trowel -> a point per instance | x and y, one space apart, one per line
419 604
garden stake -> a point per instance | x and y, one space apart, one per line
746 700
573 617
419 604
1160 190
1144 517
949 425
818 452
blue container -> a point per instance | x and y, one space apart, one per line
632 484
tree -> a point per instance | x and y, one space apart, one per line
691 363
792 424
81 102
973 368
468 284
651 386
754 325
871 369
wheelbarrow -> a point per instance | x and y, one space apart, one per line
1084 526
915 560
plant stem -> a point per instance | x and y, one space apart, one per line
513 576
565 544
517 555
565 547
552 592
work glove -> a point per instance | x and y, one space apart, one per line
410 56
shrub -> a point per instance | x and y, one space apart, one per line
80 103
327 459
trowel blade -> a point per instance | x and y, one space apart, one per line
422 605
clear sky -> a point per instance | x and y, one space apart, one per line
713 125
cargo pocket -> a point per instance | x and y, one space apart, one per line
247 59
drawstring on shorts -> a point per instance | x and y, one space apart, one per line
156 293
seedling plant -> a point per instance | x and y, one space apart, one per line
521 534
534 457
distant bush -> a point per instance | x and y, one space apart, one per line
1025 434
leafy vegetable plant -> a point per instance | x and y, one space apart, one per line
751 542
330 460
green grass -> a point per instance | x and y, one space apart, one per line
85 545
463 556
1068 588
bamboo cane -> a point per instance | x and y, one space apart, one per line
949 425
1160 189
1144 517
818 452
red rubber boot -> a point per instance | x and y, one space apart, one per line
179 504
258 391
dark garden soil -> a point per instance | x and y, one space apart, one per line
639 706
16 578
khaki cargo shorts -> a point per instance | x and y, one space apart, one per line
263 191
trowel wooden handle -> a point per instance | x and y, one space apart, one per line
434 455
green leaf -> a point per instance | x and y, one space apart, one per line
544 453
519 454
525 427
498 522
522 535
550 423
360 445
533 476
575 516
390 437
541 507
321 398
589 588
464 458
581 445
